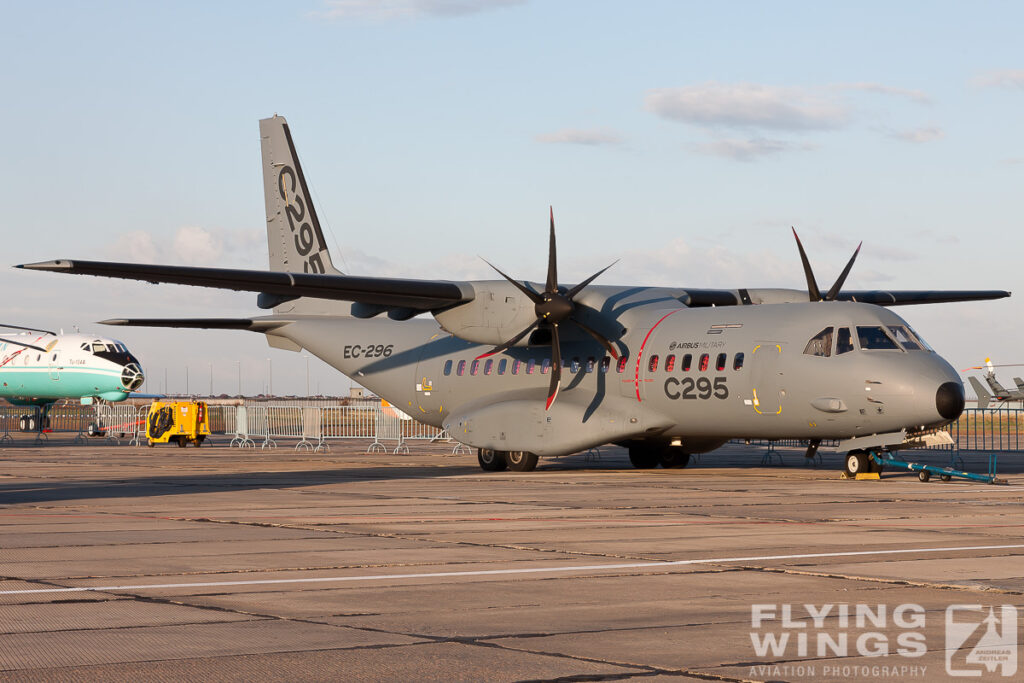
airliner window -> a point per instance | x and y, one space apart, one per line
687 362
590 364
488 366
737 362
820 344
606 363
621 365
502 364
447 367
545 365
652 364
530 364
703 363
844 341
905 338
474 367
515 366
574 365
670 363
461 369
720 362
874 338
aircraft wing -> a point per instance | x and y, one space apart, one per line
423 295
895 297
253 324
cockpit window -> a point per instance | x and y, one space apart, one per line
873 338
844 341
98 347
906 338
820 344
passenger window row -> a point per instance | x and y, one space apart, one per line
504 366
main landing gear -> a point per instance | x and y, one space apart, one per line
499 461
859 462
645 456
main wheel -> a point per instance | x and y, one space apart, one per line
857 462
182 442
491 460
643 457
674 458
521 461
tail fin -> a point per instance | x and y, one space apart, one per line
293 229
982 392
997 388
1020 383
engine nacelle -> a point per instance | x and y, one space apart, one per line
497 312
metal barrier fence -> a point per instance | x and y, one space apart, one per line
993 430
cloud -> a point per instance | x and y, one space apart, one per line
878 88
580 136
192 245
917 135
408 9
748 150
748 105
1000 78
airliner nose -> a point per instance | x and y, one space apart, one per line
949 400
132 377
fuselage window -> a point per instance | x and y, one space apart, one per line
820 344
703 366
545 365
606 363
488 366
652 364
844 341
621 365
670 363
530 364
515 367
905 338
461 368
447 367
54 357
574 365
874 338
720 362
474 367
687 362
737 362
502 364
590 364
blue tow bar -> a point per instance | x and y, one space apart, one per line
945 473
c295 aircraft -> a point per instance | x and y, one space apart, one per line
523 369
39 367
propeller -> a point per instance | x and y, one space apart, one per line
812 284
989 365
554 306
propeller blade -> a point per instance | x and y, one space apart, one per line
834 292
556 367
27 346
598 336
812 285
511 342
552 282
578 288
533 296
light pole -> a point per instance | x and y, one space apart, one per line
270 378
307 376
239 364
211 379
186 380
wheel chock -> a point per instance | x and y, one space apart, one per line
860 476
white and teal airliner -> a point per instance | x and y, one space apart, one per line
39 367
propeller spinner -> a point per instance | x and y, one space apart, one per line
553 307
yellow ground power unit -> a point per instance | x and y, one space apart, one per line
178 421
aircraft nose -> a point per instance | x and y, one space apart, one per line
949 400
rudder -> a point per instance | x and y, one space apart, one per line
983 395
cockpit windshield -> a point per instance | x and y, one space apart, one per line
112 351
874 338
908 339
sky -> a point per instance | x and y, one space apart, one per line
684 138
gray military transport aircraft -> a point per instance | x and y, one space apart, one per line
664 371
